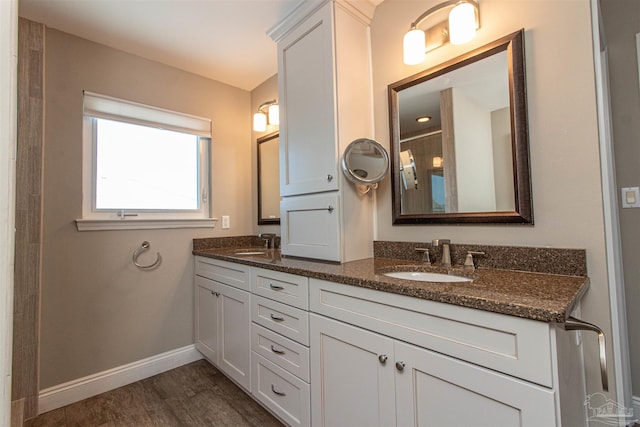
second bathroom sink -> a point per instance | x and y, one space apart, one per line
426 276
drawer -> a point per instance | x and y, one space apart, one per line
283 287
286 395
229 273
287 354
286 320
513 345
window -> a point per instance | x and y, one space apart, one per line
145 165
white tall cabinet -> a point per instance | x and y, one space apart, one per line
324 79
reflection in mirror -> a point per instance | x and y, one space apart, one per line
365 162
460 142
268 180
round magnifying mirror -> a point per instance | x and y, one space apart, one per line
365 162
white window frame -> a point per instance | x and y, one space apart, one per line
105 107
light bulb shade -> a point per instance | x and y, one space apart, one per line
462 23
259 122
414 47
274 114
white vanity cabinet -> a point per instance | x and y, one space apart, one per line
324 83
328 354
364 378
280 343
223 316
385 359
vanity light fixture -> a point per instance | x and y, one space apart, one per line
464 20
423 119
268 113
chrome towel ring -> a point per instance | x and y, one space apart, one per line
143 247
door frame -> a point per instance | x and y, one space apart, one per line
8 113
613 247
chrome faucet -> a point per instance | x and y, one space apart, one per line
446 252
269 239
426 260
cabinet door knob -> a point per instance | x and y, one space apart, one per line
400 366
276 351
277 318
276 287
383 358
279 393
215 293
329 178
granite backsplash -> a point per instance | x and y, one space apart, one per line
570 262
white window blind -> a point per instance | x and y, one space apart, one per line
107 107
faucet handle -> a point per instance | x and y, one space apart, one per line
468 262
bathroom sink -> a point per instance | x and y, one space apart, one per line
250 252
426 276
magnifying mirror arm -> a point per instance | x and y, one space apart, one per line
363 190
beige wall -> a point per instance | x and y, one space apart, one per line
563 133
264 92
98 310
621 23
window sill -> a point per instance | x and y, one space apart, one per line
142 224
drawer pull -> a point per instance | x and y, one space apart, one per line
276 351
277 318
215 293
400 366
276 287
279 393
383 358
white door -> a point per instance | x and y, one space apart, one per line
308 154
352 375
436 390
206 327
235 335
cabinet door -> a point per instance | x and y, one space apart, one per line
206 319
352 380
308 153
437 390
235 335
310 226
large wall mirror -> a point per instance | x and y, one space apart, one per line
460 150
268 179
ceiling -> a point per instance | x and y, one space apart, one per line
224 40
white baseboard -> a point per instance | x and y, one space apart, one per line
73 391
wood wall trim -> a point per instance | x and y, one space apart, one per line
28 240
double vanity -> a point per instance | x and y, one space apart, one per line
347 344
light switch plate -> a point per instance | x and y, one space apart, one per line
630 197
226 222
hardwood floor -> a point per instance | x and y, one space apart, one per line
196 394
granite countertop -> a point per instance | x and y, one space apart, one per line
538 296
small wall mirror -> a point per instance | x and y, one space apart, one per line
460 150
268 179
365 163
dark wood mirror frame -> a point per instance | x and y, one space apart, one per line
261 220
513 44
